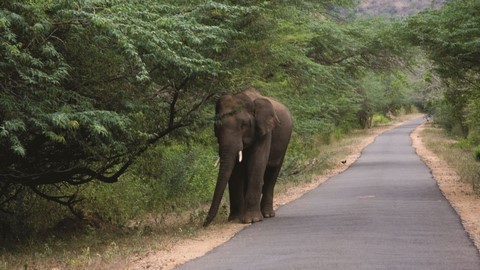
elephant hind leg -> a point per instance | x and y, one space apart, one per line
271 175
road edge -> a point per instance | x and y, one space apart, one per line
460 195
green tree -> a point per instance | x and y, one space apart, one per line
450 38
88 86
97 89
314 56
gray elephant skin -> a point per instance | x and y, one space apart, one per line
253 132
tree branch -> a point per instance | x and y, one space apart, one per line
69 202
7 199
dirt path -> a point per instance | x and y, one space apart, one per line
178 252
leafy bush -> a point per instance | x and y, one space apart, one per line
476 153
173 177
379 119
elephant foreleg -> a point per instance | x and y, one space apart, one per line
236 188
256 173
253 195
271 175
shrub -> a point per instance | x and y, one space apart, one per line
379 119
476 153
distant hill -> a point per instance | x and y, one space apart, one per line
396 7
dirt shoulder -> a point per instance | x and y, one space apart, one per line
180 251
460 194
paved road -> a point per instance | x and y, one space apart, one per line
384 212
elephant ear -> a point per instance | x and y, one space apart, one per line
265 117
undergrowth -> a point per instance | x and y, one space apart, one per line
456 152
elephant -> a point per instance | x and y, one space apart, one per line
253 133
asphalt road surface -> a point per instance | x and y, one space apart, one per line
384 212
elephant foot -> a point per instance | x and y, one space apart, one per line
234 217
252 217
268 213
267 209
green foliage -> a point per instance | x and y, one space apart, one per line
476 153
314 64
450 39
379 119
88 86
108 91
166 178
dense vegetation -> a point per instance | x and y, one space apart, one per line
106 106
450 38
88 86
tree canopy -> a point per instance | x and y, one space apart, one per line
87 86
93 91
450 38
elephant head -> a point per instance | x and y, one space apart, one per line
241 121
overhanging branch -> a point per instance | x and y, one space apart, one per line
106 169
67 200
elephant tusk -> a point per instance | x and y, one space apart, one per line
240 157
216 162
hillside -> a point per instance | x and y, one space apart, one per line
396 7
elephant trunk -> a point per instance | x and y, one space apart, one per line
227 163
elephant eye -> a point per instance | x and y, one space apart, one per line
245 124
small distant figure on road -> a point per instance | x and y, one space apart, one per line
428 117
